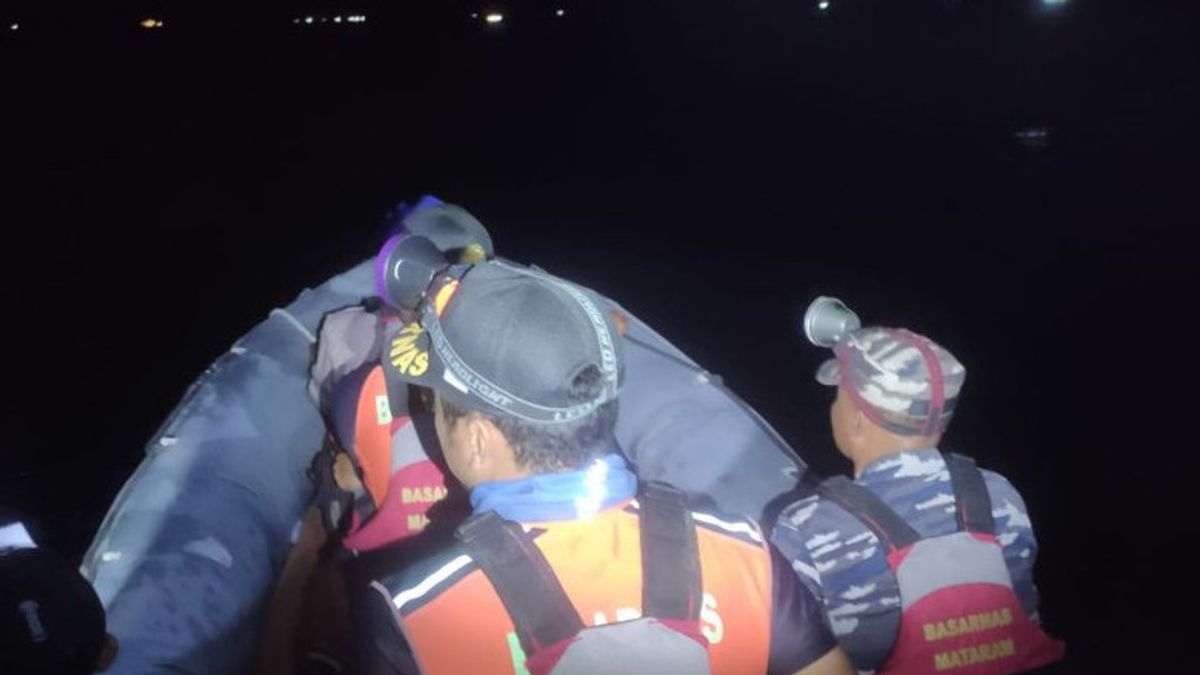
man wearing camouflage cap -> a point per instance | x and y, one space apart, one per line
923 562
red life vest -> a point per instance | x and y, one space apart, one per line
959 611
402 482
368 418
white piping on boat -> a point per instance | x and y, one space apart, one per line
280 312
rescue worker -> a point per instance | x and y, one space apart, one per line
376 482
382 478
51 622
564 547
923 562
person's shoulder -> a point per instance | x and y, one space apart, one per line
1013 523
826 545
813 514
1001 490
413 572
800 513
707 517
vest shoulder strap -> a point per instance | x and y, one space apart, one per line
534 598
671 578
974 512
539 608
397 389
871 511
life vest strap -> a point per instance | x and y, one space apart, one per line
535 600
540 609
974 505
671 579
871 511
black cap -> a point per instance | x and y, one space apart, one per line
511 340
50 618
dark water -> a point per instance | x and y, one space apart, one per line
1015 184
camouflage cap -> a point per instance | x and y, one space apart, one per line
902 381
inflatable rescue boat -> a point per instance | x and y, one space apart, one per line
187 556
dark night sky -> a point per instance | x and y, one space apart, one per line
713 165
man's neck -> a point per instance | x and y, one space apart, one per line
562 495
507 473
869 456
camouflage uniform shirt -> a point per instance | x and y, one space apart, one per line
843 564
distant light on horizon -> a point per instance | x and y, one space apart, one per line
1033 137
559 12
823 5
338 19
150 23
494 18
15 26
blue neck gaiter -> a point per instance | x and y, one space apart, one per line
566 495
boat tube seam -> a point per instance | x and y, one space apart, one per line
283 313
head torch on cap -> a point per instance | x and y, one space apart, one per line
431 239
828 320
406 265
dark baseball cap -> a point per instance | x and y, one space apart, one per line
511 340
50 618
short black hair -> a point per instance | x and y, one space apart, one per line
544 447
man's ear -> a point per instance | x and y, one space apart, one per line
476 440
487 444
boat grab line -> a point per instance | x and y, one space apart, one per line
280 312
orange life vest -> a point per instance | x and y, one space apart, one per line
598 562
